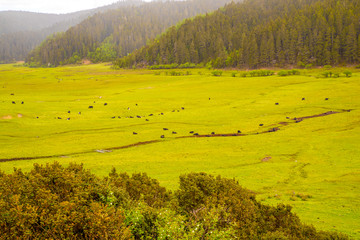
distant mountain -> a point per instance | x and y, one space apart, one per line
17 21
112 34
261 33
20 32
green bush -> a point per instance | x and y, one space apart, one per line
217 73
174 73
294 72
347 73
336 75
187 65
325 74
283 73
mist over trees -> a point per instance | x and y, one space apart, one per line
261 33
107 36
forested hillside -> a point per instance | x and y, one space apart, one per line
20 32
106 36
261 33
53 202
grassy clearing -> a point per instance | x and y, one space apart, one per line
312 165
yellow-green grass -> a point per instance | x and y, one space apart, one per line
314 165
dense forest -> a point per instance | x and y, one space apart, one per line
107 36
21 32
261 33
56 202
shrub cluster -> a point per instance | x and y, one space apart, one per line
284 73
258 73
56 202
173 66
175 73
330 74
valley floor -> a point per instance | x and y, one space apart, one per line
292 140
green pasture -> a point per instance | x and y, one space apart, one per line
313 165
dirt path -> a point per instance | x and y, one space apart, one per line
270 128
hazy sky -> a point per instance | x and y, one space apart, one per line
52 6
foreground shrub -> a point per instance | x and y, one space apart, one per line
54 202
235 208
57 202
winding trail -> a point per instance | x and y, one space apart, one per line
273 128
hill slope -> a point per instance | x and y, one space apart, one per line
20 32
117 33
260 33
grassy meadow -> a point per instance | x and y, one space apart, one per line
313 164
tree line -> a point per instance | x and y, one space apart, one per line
261 33
56 202
113 34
